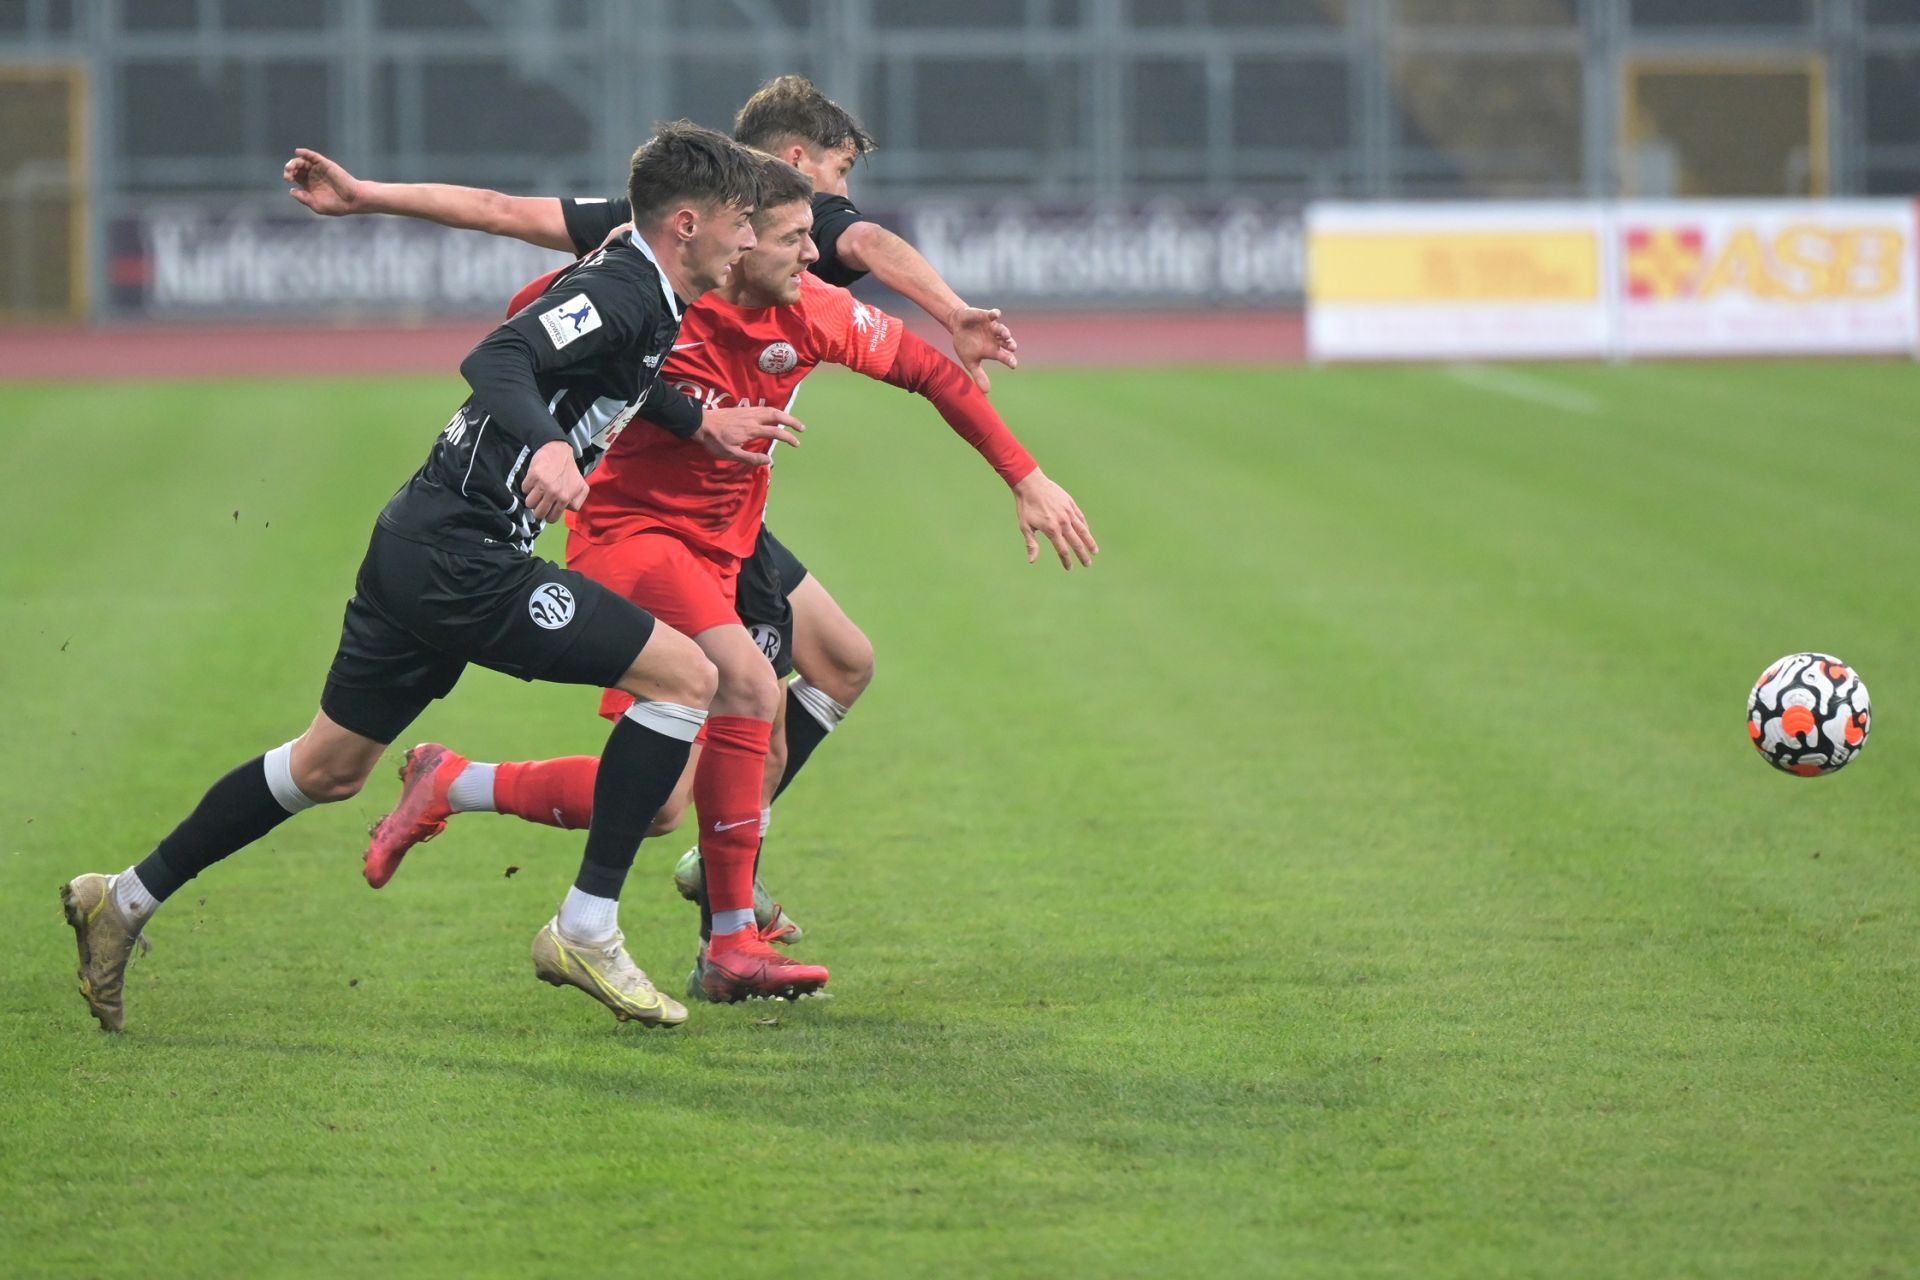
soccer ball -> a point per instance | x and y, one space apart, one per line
1808 714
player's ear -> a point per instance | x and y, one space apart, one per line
684 222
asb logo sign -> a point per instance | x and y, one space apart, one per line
1796 262
1664 262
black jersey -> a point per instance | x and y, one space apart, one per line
831 215
573 365
589 221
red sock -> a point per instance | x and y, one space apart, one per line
726 790
558 793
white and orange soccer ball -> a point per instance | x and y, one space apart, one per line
1808 714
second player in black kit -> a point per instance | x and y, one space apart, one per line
449 579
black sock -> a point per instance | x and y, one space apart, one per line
804 733
637 772
236 811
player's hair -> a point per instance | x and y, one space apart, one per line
781 184
684 163
792 107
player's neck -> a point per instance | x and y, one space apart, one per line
740 294
669 254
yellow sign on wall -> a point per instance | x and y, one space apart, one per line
1454 266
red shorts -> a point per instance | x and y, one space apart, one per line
687 589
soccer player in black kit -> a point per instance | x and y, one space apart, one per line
449 578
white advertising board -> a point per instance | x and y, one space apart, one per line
1638 278
1455 281
1765 277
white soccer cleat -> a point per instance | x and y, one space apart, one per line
607 973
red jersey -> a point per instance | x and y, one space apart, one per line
728 356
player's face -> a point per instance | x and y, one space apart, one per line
771 273
827 167
723 233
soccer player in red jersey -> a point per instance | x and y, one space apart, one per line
667 524
788 610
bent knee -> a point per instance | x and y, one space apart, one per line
850 670
330 786
754 693
697 684
860 674
684 675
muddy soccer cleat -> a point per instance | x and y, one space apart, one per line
106 937
606 972
689 875
744 967
774 922
425 774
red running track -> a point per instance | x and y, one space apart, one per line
1047 340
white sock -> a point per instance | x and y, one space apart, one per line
472 791
131 896
670 718
732 921
766 820
585 918
279 766
818 705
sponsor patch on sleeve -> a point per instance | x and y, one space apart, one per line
873 323
570 320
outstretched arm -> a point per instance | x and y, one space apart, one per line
1040 505
326 188
977 333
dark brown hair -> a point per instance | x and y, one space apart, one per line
792 107
684 163
781 184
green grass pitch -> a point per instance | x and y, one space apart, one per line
1362 871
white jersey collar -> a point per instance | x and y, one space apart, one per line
666 285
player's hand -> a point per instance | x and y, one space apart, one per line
978 335
1044 507
320 184
554 485
723 432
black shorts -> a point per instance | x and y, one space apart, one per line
767 578
419 614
